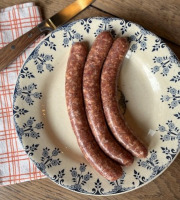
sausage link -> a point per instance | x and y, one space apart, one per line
93 104
109 78
75 105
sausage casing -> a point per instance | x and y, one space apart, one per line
93 104
75 105
109 78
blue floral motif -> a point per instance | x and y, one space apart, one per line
140 38
98 190
80 179
151 162
70 34
158 44
49 43
164 63
30 129
170 153
48 160
124 26
27 93
30 149
173 97
104 26
59 177
118 185
86 23
26 73
155 171
139 177
170 132
19 111
41 60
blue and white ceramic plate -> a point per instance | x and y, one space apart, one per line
150 82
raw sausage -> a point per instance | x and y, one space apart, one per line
114 119
75 105
93 104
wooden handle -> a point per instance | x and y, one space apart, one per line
15 48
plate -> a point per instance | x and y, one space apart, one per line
149 81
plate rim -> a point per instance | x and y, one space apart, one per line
27 59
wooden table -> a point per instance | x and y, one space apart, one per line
160 17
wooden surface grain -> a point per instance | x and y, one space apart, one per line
161 17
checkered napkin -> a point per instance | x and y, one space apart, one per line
15 166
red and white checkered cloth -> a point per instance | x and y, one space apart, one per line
15 166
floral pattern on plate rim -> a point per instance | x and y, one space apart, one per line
169 132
